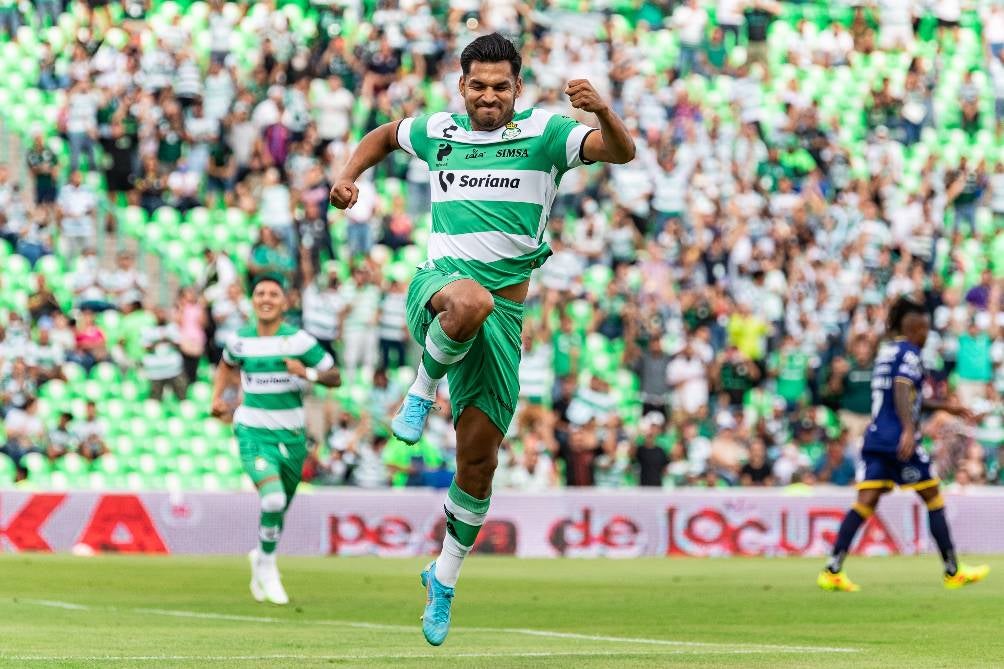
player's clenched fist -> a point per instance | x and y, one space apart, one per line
344 194
584 96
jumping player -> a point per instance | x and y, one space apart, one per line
494 175
891 454
276 363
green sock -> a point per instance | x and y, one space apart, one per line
465 515
442 352
269 530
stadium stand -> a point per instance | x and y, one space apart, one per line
709 316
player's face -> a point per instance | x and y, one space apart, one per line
915 329
268 301
490 91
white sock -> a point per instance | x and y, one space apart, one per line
450 560
424 385
266 559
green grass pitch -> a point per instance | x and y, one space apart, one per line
112 612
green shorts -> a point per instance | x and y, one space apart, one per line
488 376
267 462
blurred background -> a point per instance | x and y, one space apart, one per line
709 317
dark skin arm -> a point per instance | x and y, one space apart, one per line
374 147
613 143
903 396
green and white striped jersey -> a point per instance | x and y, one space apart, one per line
492 190
272 409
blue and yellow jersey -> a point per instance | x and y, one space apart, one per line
898 362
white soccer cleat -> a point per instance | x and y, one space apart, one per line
257 591
268 579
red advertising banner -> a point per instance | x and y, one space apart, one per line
580 523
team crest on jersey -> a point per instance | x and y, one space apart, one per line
511 131
260 464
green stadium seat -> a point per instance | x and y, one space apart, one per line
8 471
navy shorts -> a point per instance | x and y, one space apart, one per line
885 471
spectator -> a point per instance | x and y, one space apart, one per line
25 434
687 376
61 439
650 454
835 465
44 166
163 364
758 470
361 295
77 210
190 315
91 343
89 434
393 325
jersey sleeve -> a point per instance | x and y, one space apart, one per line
229 353
566 138
313 355
910 367
413 136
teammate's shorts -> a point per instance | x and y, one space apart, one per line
267 462
885 471
488 376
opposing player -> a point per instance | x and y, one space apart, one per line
891 455
275 363
494 175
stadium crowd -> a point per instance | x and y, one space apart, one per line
711 311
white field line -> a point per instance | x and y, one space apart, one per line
400 656
697 646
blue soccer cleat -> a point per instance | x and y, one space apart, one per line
436 620
409 422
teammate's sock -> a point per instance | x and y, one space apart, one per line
441 351
464 516
939 530
852 522
269 531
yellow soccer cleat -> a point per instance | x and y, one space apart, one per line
838 582
966 575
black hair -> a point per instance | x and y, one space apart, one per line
492 48
901 308
269 276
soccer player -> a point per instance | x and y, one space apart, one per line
891 455
494 174
276 363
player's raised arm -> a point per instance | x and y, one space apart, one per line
613 142
374 147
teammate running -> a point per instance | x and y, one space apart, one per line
276 363
494 175
891 455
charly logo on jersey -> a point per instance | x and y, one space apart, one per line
447 179
448 131
511 131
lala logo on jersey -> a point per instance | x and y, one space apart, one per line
511 131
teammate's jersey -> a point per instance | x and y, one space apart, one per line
492 190
272 409
897 362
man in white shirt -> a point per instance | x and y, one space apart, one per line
687 375
82 123
163 364
689 20
25 434
125 284
333 110
90 434
322 306
77 206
